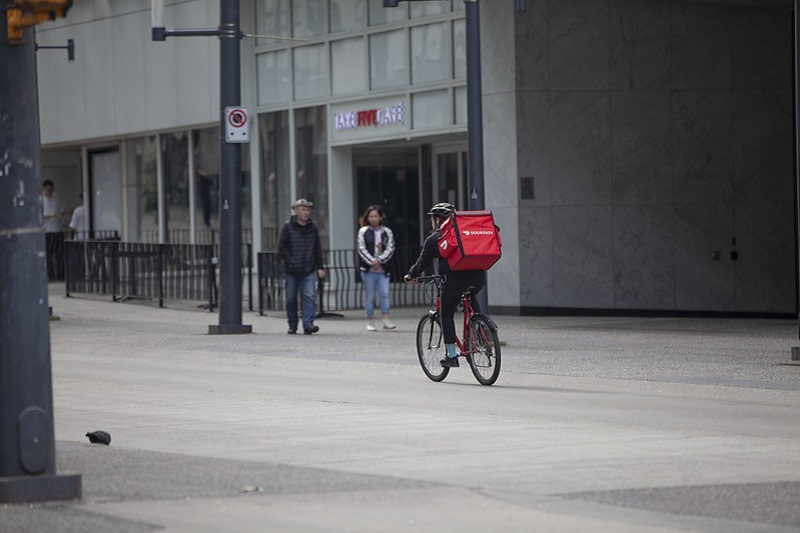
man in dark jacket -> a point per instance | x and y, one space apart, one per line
454 285
301 252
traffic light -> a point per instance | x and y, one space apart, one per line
21 14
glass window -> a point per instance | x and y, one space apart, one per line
460 95
430 53
247 195
426 9
384 15
175 162
275 187
460 49
311 142
348 66
348 15
274 77
431 109
142 180
206 143
310 73
309 18
388 59
447 173
273 17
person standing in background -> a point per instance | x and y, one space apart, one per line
78 222
375 250
300 251
52 213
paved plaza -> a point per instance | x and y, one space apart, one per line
596 424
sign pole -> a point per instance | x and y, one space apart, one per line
230 178
27 442
475 177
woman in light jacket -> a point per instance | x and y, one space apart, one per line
375 250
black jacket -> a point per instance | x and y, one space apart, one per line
454 280
299 247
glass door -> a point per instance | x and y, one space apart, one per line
450 176
389 178
105 175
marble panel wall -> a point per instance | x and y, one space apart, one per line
644 257
655 133
583 259
501 158
764 270
704 273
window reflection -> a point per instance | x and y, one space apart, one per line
308 18
275 187
388 60
310 72
273 17
348 15
312 164
380 15
142 178
206 170
425 9
174 160
430 53
348 71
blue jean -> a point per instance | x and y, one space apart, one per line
306 284
372 281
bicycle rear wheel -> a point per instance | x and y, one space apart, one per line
430 347
483 346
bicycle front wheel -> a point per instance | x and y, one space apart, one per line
484 350
430 347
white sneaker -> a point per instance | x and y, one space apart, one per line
371 325
388 325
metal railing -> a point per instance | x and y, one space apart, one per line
54 247
341 290
125 271
183 236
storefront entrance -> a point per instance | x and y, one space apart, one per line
390 179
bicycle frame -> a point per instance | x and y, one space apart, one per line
479 342
469 312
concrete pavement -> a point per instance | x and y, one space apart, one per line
596 424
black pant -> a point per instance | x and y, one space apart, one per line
55 256
453 288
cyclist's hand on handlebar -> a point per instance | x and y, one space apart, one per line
408 279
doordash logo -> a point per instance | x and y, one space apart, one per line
477 232
381 116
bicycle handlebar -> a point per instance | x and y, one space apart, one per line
435 278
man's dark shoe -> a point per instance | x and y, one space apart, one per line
312 329
450 362
292 331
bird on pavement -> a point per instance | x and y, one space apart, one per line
99 437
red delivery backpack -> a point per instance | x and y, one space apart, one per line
470 240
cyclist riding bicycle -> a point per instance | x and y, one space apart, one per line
455 283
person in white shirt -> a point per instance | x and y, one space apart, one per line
78 222
51 214
51 208
375 249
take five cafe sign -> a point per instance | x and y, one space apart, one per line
368 119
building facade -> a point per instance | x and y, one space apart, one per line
638 153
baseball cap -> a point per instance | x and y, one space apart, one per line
302 202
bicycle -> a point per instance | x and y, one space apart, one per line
479 342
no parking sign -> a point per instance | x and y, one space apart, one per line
237 128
